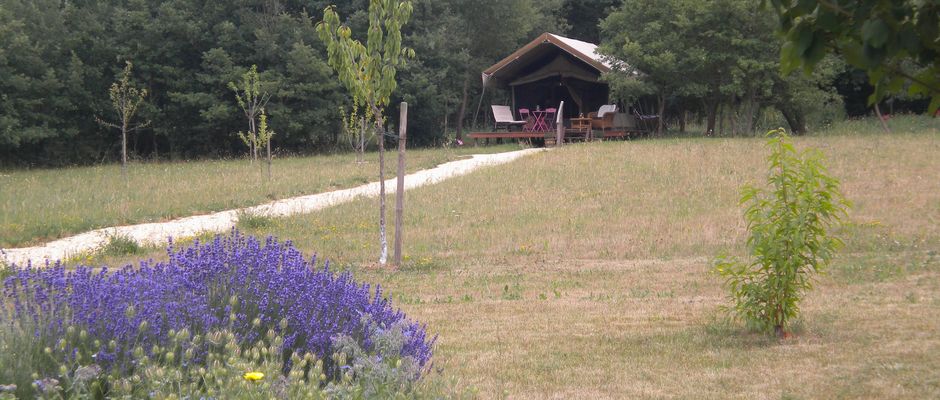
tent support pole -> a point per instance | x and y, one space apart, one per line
479 103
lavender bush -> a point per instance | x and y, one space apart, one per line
234 281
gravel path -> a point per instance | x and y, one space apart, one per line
157 233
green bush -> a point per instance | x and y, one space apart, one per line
789 238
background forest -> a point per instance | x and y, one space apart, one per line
714 65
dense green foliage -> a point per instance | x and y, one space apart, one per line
57 60
896 42
789 236
710 58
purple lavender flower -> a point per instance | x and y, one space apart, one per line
139 306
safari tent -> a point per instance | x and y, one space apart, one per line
551 69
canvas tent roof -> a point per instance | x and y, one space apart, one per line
509 68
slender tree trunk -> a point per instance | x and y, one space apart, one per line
884 123
124 150
156 152
252 136
400 191
383 241
683 115
463 108
721 119
732 111
360 152
661 99
268 145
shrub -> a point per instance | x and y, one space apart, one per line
233 281
121 245
789 236
233 372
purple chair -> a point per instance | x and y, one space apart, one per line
550 118
526 116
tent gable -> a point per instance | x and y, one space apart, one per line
511 67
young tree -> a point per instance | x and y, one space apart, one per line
252 98
125 98
368 71
789 238
354 128
264 137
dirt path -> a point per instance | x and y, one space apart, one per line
157 233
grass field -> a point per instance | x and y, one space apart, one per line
39 205
583 272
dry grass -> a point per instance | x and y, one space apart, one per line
634 200
38 205
583 273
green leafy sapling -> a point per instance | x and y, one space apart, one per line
126 100
368 71
252 98
790 240
355 127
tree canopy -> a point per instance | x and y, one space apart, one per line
707 57
897 42
718 59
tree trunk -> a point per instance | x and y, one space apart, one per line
682 120
733 109
124 150
721 119
156 153
661 99
383 241
795 119
360 152
750 111
463 108
884 123
712 110
400 191
252 137
268 145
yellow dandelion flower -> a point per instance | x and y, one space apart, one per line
253 376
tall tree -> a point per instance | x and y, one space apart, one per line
720 54
653 40
368 71
583 17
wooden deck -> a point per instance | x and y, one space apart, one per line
508 135
570 135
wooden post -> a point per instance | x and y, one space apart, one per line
560 125
400 191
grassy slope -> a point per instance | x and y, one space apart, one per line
582 272
39 205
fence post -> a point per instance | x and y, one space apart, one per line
560 125
400 191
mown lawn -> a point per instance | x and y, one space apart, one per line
583 272
44 204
